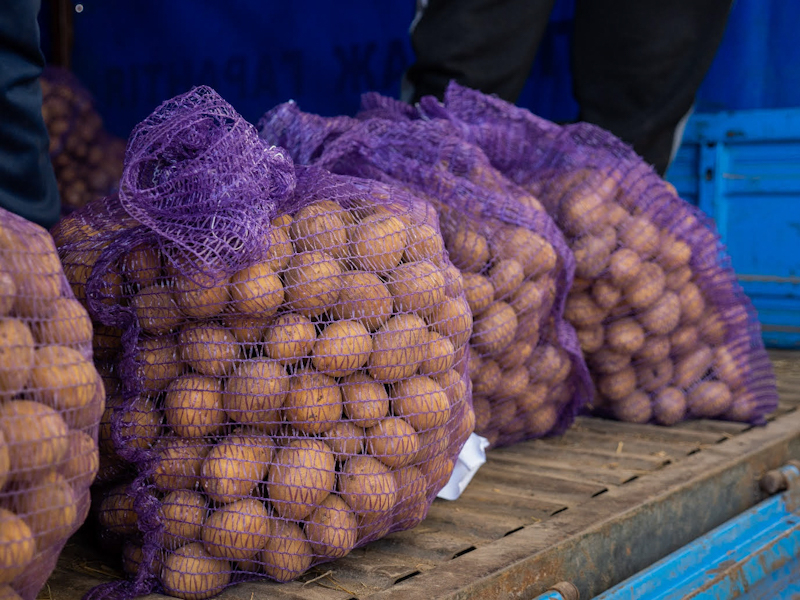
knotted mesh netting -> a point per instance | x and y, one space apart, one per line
528 374
285 350
666 328
51 400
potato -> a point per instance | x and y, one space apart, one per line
437 472
692 303
279 248
332 528
506 275
483 413
345 439
138 420
314 401
532 398
342 348
70 325
633 408
17 546
546 363
208 348
654 376
256 290
709 399
673 253
397 348
156 309
31 259
416 287
36 435
378 243
712 327
440 355
592 339
254 393
486 380
159 362
625 336
17 357
683 339
365 400
364 298
247 329
655 349
676 279
495 329
692 366
531 251
287 553
237 531
647 288
393 441
452 318
132 559
515 354
616 386
312 283
178 463
412 503
663 316
513 382
289 338
301 477
320 228
8 593
8 293
605 294
192 574
467 249
50 509
541 421
731 365
182 512
201 295
80 464
640 235
233 468
530 297
193 406
62 378
582 211
592 254
421 402
615 214
368 486
5 460
624 266
669 406
142 266
117 513
582 312
424 243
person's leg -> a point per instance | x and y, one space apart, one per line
637 66
488 45
27 181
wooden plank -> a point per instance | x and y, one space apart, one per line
634 444
648 432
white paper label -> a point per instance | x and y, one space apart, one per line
470 459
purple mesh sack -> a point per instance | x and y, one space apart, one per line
288 350
667 330
51 399
528 374
86 158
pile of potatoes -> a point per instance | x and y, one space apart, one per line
51 401
663 325
519 370
287 412
87 159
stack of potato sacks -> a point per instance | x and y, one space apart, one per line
51 399
667 331
86 158
529 378
289 349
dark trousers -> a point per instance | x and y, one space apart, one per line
636 64
27 181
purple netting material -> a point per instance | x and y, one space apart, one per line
543 158
96 245
402 152
51 398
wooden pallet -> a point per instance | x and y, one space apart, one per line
594 506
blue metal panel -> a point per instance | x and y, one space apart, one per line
753 553
743 169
